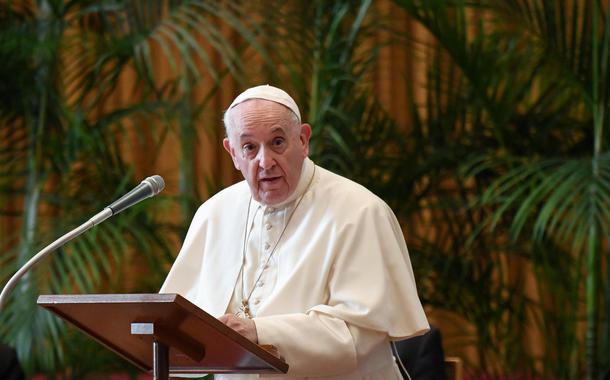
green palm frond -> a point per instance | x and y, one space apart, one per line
173 32
555 197
522 84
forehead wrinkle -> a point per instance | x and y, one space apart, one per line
258 117
277 131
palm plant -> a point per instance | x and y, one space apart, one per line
567 198
327 52
519 88
64 64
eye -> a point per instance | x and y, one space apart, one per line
278 142
248 149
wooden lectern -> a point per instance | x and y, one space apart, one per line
163 333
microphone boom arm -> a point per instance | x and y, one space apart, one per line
95 220
151 186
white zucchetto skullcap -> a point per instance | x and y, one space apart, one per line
267 92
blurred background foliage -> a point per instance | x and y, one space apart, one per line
499 173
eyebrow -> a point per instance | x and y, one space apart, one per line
278 129
274 130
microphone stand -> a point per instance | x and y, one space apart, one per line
95 220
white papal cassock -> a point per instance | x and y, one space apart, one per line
337 288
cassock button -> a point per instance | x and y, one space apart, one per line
260 284
268 226
267 245
257 301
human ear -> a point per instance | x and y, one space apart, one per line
227 145
304 136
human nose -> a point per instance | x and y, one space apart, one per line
266 159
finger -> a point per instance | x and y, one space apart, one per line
224 318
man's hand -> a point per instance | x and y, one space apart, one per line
244 326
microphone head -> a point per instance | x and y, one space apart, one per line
156 183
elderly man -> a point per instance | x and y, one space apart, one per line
296 256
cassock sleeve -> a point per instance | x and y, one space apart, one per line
315 344
372 299
303 339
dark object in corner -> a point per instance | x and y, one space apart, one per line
423 356
10 369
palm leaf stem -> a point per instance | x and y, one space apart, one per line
605 330
314 95
591 301
596 101
592 257
36 122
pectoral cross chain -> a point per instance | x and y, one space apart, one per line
244 310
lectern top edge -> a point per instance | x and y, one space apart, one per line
107 298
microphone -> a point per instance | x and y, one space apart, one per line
150 187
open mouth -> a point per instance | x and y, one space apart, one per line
269 180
